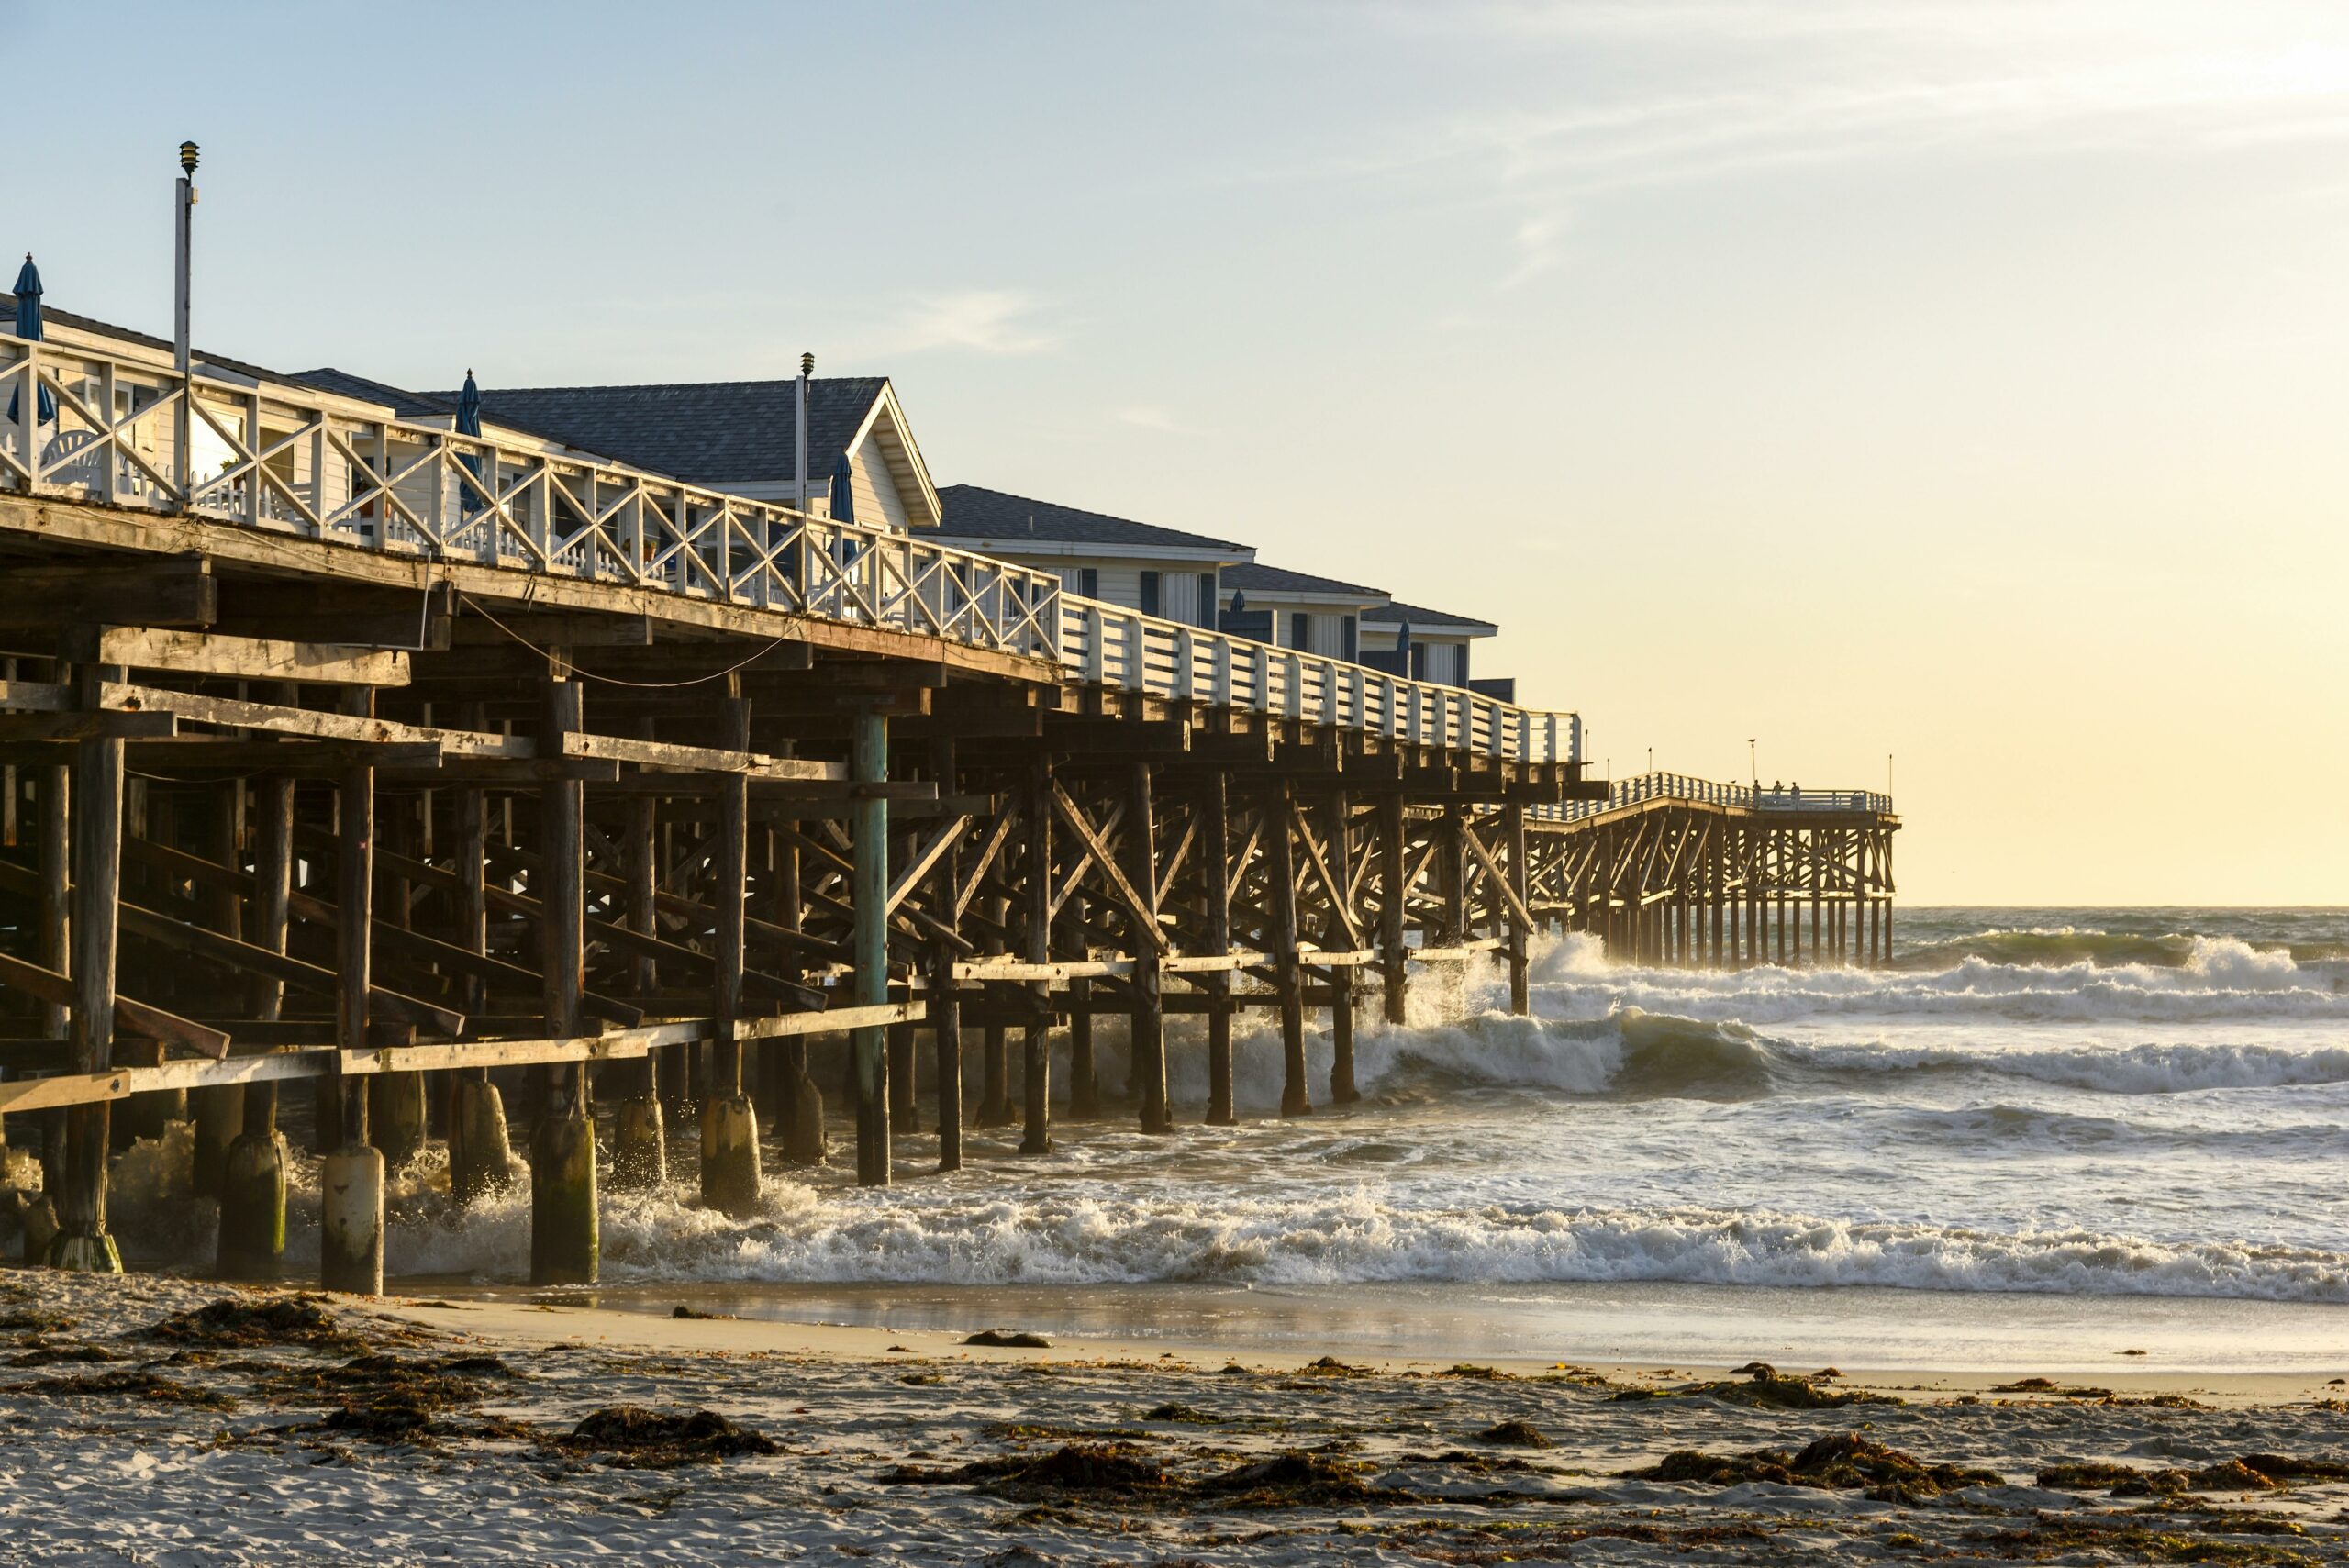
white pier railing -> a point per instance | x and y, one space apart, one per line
1113 646
1683 788
130 432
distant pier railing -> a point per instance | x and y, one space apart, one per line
293 460
1110 645
1694 791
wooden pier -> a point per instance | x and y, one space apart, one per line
424 770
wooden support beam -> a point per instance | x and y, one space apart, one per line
50 729
729 894
870 760
173 591
945 1004
1150 943
228 713
1215 866
241 657
355 896
1338 877
663 757
1280 899
1036 884
1520 927
1394 898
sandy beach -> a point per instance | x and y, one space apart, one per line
155 1421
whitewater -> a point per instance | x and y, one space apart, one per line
2057 1120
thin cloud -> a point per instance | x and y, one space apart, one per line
1149 417
985 321
1656 94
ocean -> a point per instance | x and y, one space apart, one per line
2060 1133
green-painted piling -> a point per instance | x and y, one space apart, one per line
252 1207
564 1241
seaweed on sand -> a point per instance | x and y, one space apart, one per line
395 1399
53 1355
2252 1472
1295 1480
253 1323
1764 1390
1072 1467
634 1437
1839 1461
2054 1535
144 1385
1514 1434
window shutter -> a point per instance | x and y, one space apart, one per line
1149 592
1352 646
1206 600
1091 576
1298 623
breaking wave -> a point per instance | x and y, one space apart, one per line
1103 1236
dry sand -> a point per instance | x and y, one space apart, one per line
409 1431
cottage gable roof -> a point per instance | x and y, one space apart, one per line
52 319
709 432
996 516
1421 618
1279 582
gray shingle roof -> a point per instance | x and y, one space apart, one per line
1395 613
52 316
1256 577
712 433
405 403
972 512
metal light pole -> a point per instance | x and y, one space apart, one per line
1754 764
806 370
183 357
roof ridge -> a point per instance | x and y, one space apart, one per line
684 385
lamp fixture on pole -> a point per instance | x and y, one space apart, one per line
182 352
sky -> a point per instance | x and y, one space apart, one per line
1950 393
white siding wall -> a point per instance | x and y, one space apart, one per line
1326 635
874 486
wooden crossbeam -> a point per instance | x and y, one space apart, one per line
182 936
997 838
228 713
1339 903
661 756
136 1018
1146 919
391 939
909 875
243 657
1497 878
613 934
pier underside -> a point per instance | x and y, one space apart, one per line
423 835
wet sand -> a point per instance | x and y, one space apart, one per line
140 1421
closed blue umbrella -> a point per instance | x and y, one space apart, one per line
469 407
843 502
28 326
469 424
